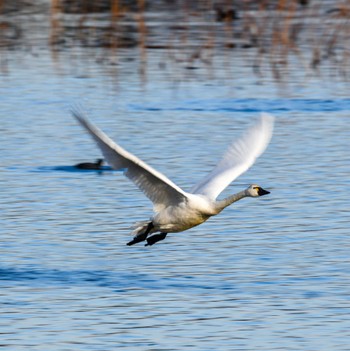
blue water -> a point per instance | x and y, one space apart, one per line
250 105
266 274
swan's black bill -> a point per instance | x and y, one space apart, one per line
262 192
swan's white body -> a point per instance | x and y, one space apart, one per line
177 210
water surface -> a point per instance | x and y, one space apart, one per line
266 274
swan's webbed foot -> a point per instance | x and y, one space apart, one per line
141 237
155 238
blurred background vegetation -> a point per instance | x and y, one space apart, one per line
310 34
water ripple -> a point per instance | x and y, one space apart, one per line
249 105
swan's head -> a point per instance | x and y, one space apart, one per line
256 190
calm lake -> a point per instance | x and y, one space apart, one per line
266 274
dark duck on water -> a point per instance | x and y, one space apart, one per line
90 165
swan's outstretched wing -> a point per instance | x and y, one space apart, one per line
240 155
157 187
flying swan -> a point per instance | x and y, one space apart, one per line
176 210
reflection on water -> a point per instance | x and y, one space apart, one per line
266 274
73 169
305 35
249 105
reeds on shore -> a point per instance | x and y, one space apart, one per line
191 33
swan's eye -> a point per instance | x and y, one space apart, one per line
256 188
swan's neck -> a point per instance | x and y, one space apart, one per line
221 204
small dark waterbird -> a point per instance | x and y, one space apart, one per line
175 209
91 165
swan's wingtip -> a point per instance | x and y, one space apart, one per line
80 115
266 125
267 122
267 117
77 113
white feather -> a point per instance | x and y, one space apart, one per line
157 187
177 210
239 156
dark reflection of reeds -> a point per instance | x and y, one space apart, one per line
192 33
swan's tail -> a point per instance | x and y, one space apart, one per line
141 231
140 228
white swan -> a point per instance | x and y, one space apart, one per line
177 210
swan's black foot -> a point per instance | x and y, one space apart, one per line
137 239
155 238
141 237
